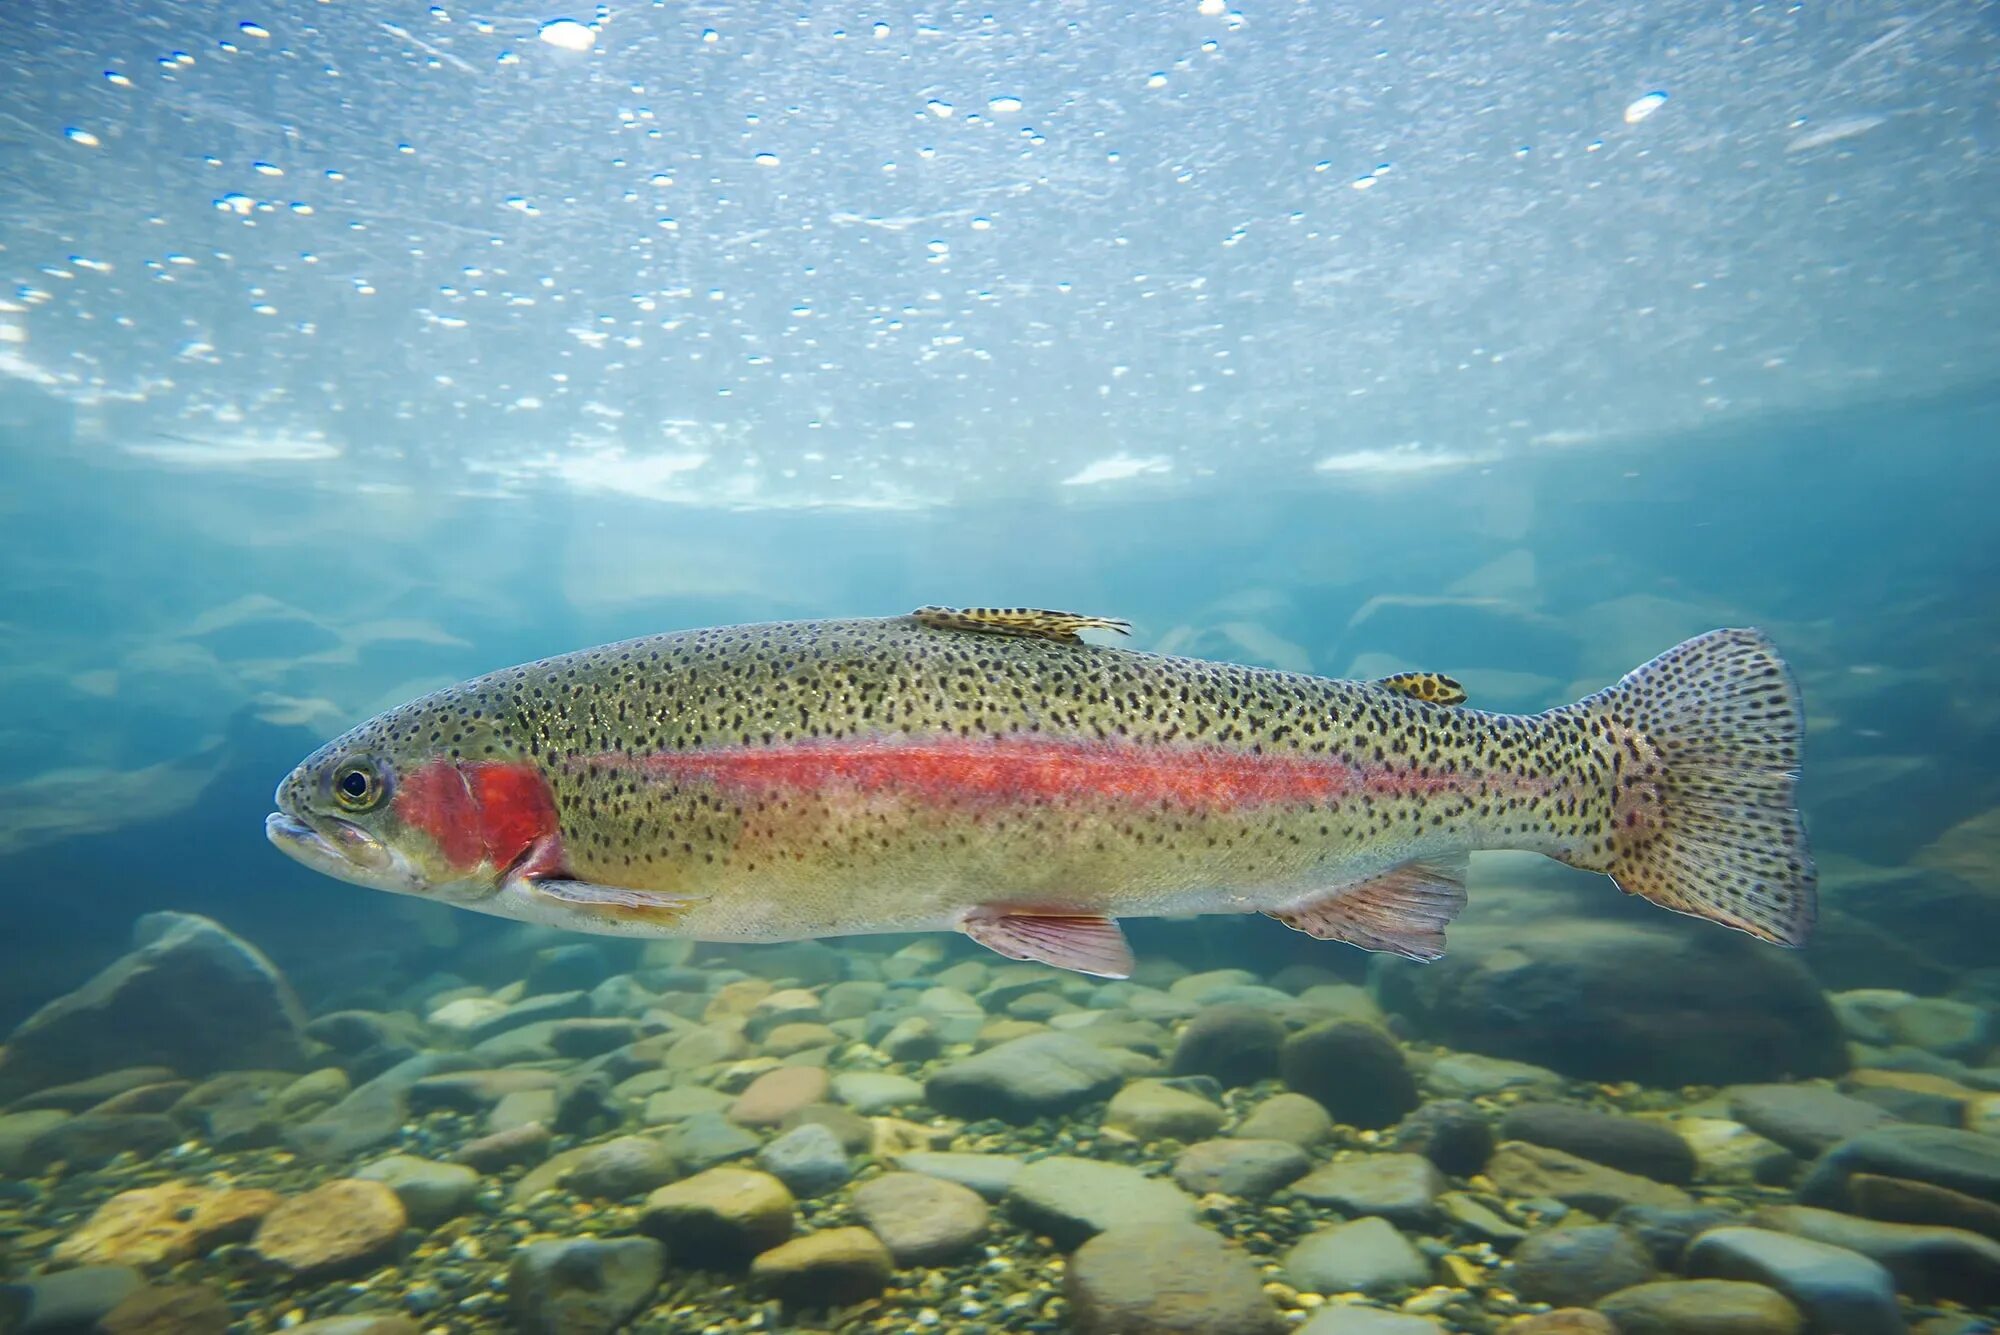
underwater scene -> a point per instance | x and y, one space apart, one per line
1184 669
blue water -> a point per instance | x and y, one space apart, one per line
352 350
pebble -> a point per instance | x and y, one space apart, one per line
1520 1169
809 1159
724 1215
1837 1290
922 1220
1070 1199
991 1175
1154 1110
1170 1278
582 1286
1701 1307
1625 1143
155 1226
1238 1045
1251 1169
339 1227
1292 1117
1402 1188
1362 1255
775 1095
502 1149
1574 1267
1025 1078
1355 1071
430 1192
834 1267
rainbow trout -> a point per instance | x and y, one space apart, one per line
987 771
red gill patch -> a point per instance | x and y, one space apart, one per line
487 812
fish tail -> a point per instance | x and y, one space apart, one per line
1702 748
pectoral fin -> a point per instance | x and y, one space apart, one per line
1088 943
1029 621
1431 687
610 908
1404 910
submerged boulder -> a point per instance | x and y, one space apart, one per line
191 996
1663 1003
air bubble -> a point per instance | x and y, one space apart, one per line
81 136
249 29
766 159
567 35
1644 107
1004 104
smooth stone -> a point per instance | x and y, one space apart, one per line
1340 1319
787 1040
706 1046
18 1131
571 966
1561 1321
1251 1169
178 1309
1485 1224
431 1192
682 1102
871 1092
582 1286
1342 1001
857 1134
521 1108
722 1216
1355 1071
359 1325
991 1175
1898 1200
462 1015
191 996
337 1228
809 1159
1166 1279
1625 1143
148 1227
1840 1292
1451 1133
1238 1045
92 1140
1360 1256
1729 1151
1666 1231
1805 1119
1025 1078
619 1169
81 1095
1961 1161
707 1139
1701 1307
71 1300
1927 1262
503 1149
543 1009
1070 1199
776 1094
236 1110
852 1000
1523 1170
1402 1188
834 1267
475 1091
1195 986
592 1036
160 1097
311 1094
1467 1075
1574 1267
913 1039
922 1220
1154 1110
374 1112
1287 1116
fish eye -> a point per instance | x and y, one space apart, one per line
360 784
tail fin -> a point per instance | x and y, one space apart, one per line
1703 747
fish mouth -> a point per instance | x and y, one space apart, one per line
344 850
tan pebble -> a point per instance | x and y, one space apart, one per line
1463 1272
159 1225
340 1226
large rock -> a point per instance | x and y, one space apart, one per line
1252 1169
1927 1262
340 1227
1238 1045
373 1112
1402 1188
1663 1003
191 996
1353 1070
1363 1256
157 1226
1626 1143
1071 1199
1963 1162
582 1286
430 1192
1841 1292
922 1220
1805 1119
1166 1279
1574 1267
1025 1078
831 1268
1701 1307
721 1217
1520 1169
1155 1110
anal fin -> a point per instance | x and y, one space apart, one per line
1033 622
1403 910
1431 687
1084 942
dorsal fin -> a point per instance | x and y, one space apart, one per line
1431 687
1030 621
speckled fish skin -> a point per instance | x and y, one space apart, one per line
814 778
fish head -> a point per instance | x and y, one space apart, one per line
429 800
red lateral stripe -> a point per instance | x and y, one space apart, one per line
489 812
1040 769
